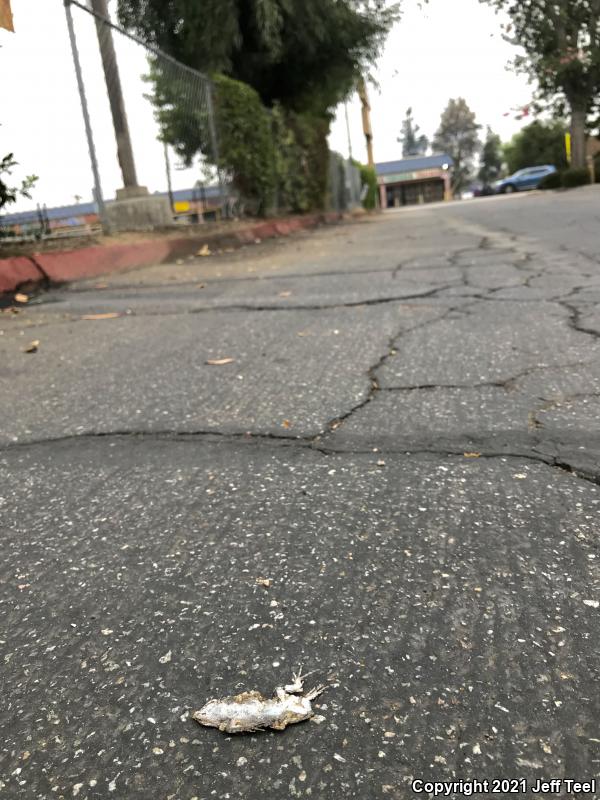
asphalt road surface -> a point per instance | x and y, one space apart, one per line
405 442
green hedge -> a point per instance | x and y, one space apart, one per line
245 142
368 178
575 177
278 159
552 181
568 179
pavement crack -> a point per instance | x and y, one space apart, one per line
574 320
67 318
374 386
326 306
312 444
167 434
556 402
213 281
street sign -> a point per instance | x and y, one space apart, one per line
568 146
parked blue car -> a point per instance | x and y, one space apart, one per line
523 179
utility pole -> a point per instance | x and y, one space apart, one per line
348 131
115 94
168 169
86 119
366 120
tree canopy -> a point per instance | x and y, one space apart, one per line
413 142
537 144
457 136
8 192
491 158
561 40
304 54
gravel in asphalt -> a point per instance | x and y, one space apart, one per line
406 444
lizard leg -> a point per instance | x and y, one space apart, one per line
315 692
297 684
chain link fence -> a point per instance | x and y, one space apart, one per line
345 185
151 101
138 101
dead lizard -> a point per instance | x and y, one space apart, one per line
250 711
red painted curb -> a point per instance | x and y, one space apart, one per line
16 271
88 262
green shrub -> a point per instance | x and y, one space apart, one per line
368 178
246 147
291 191
310 131
575 177
552 181
278 158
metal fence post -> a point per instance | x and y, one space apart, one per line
86 120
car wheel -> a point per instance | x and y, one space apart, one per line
509 188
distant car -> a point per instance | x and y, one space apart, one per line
529 178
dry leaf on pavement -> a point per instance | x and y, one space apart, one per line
472 455
284 294
32 346
21 298
286 423
204 250
108 315
219 362
266 582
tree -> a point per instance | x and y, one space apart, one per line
537 144
9 194
300 57
413 144
561 39
304 54
457 136
491 158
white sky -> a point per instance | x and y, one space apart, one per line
448 49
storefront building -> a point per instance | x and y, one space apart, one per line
412 181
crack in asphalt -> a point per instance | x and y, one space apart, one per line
130 313
406 447
510 383
554 403
141 287
574 319
375 387
312 443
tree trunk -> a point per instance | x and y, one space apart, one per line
578 117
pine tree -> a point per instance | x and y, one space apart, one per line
457 136
304 54
413 143
491 158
